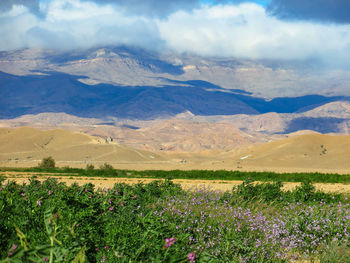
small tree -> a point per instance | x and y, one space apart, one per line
47 162
106 166
90 167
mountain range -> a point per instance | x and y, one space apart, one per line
170 102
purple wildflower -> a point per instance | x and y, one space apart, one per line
103 259
45 259
169 242
191 257
39 202
111 208
50 192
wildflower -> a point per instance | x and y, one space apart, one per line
45 259
0 188
169 242
106 247
39 202
50 192
13 249
103 259
85 190
111 208
191 257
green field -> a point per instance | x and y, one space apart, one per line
159 222
192 174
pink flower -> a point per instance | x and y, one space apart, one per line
191 257
50 192
13 249
0 188
38 202
111 208
169 242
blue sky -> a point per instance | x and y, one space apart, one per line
260 2
260 29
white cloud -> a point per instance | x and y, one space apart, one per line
73 24
247 31
243 30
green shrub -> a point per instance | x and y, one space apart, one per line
47 162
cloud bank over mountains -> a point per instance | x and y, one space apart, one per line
278 29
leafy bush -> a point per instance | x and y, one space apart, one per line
273 193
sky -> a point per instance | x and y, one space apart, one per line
260 29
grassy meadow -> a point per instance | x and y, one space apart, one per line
160 222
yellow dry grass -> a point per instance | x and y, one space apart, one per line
102 182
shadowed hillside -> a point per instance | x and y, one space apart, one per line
59 92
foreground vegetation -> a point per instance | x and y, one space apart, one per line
107 170
159 222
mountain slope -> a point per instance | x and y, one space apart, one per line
59 92
130 66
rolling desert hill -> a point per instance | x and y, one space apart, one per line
27 146
307 152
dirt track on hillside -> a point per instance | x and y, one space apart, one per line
219 185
